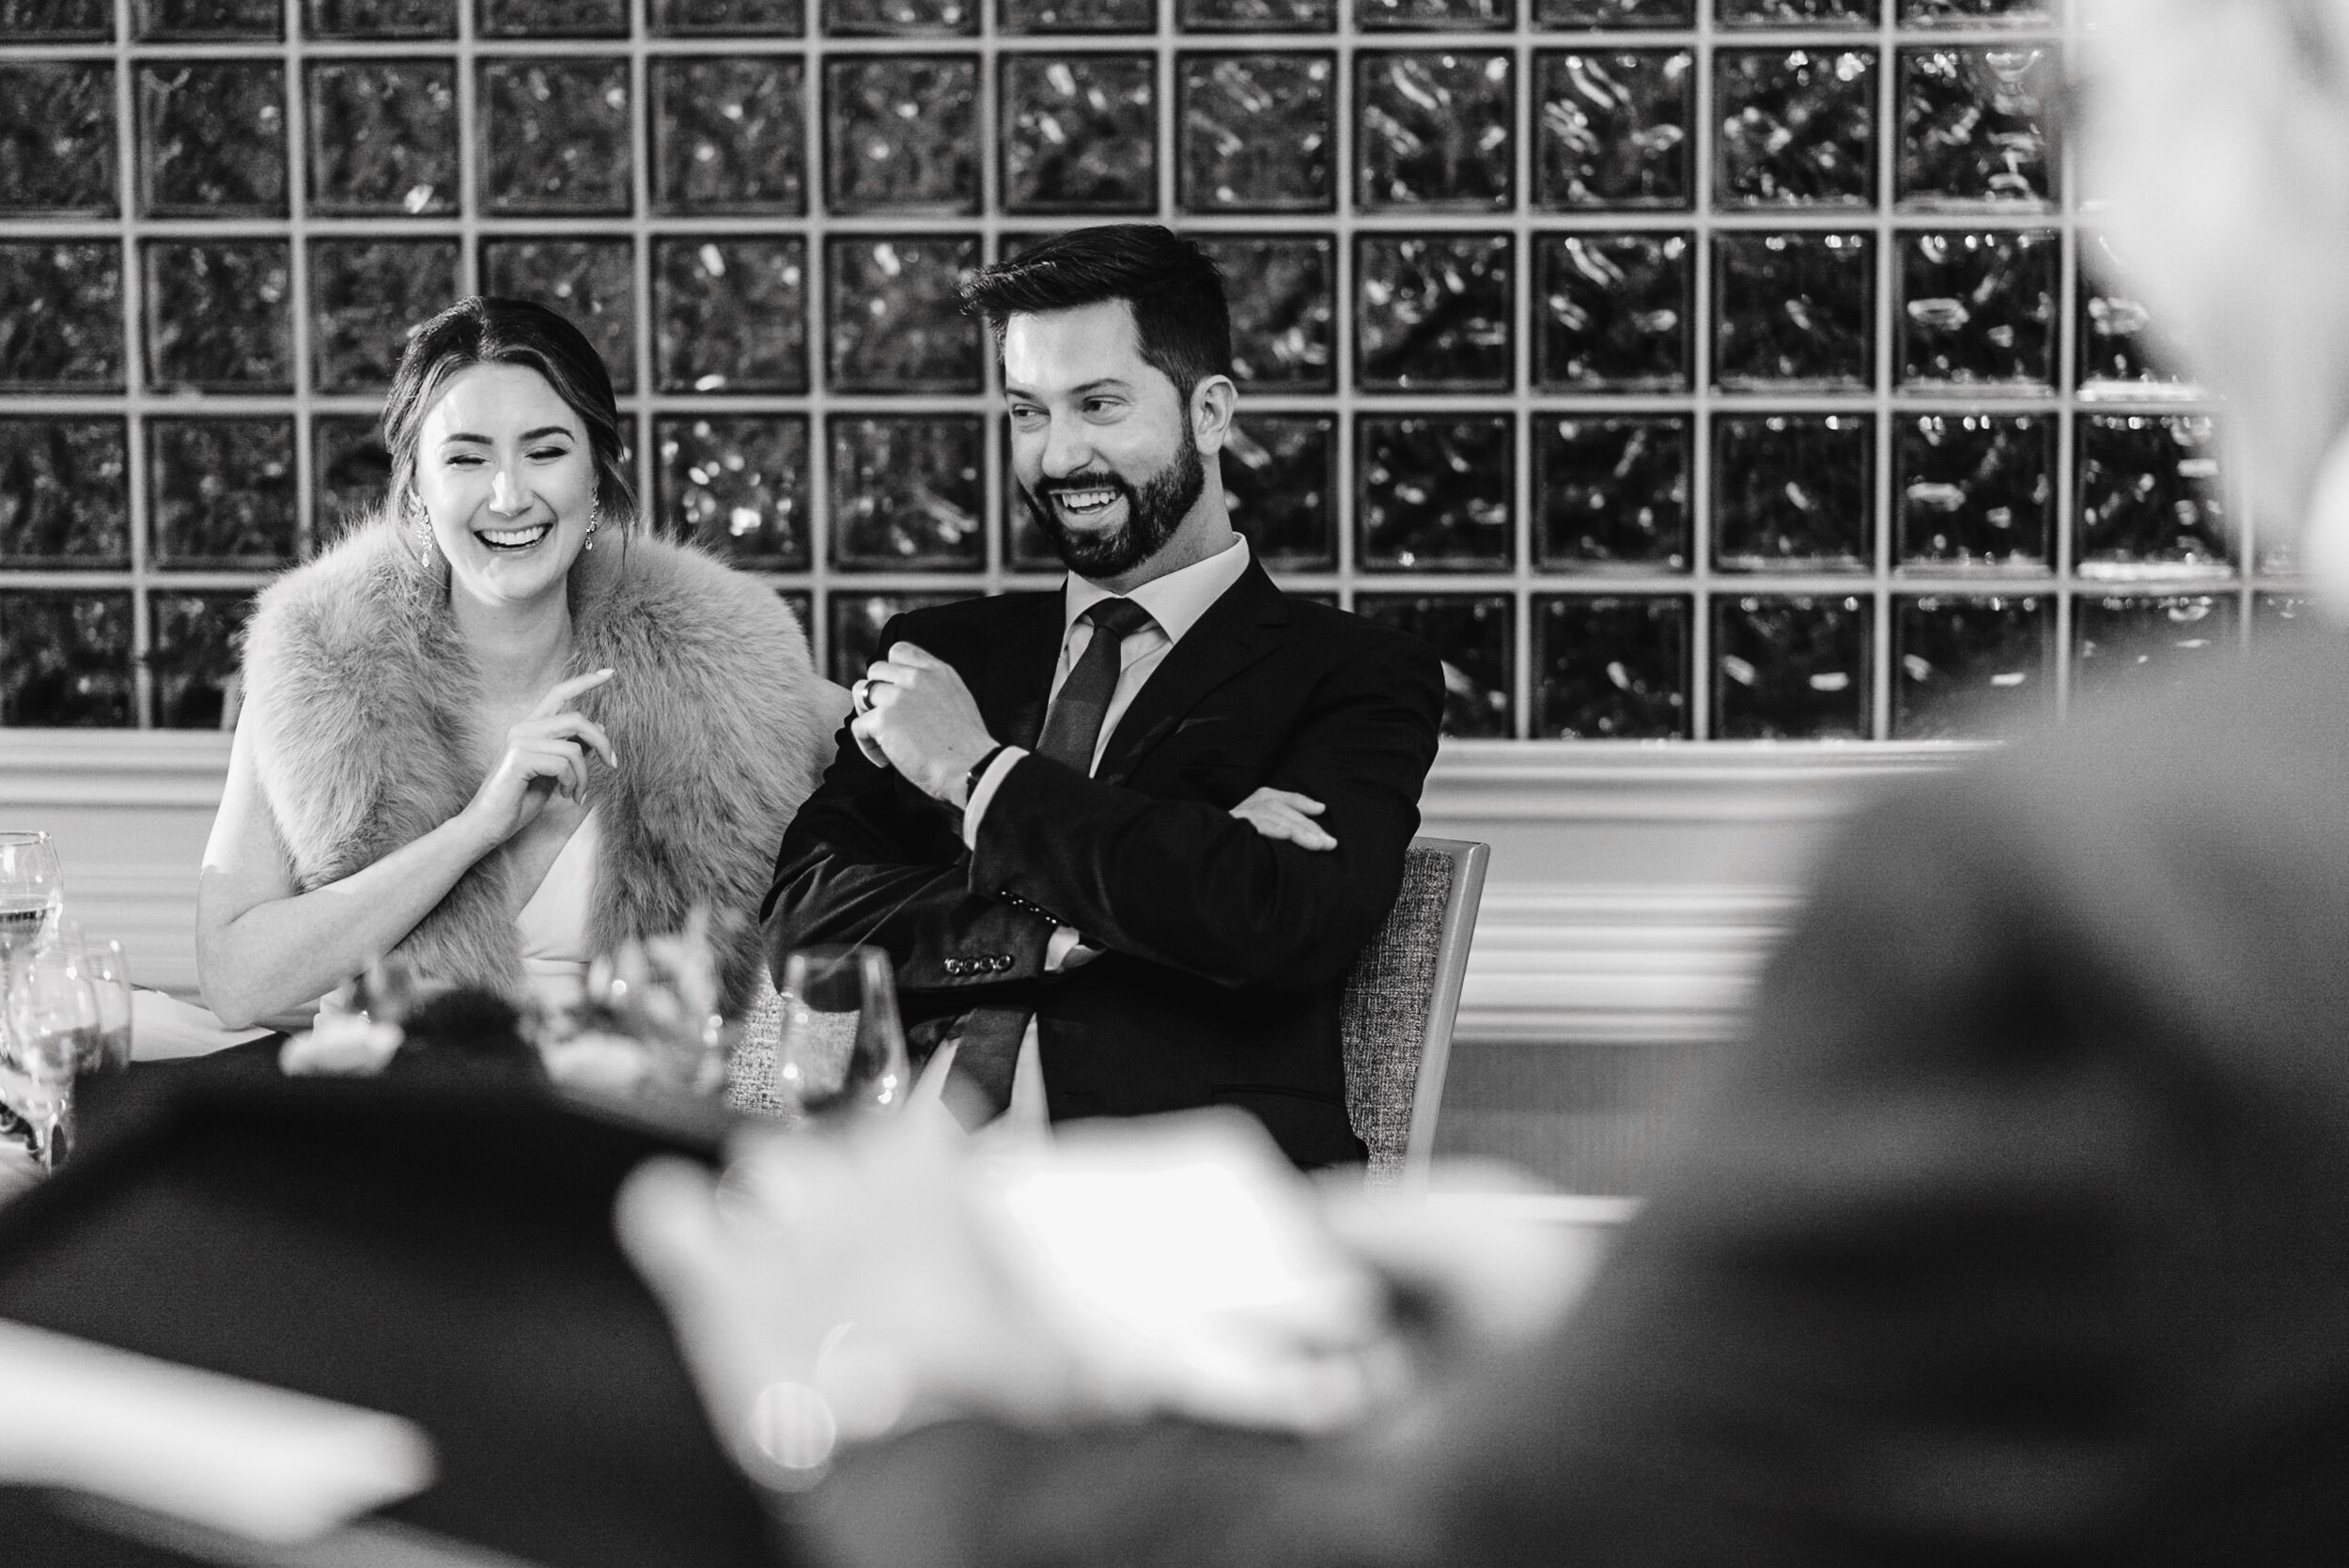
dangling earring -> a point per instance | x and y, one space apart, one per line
594 516
423 522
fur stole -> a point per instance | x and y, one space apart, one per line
359 695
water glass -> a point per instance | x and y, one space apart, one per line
101 962
54 1025
842 1050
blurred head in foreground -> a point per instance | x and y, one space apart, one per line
2217 132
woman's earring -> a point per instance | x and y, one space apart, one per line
594 516
423 522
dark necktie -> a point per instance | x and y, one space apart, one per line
990 1050
1072 729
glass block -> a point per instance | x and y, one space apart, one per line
211 140
2140 642
736 484
352 471
1978 13
1257 16
885 18
1978 308
57 20
60 316
2151 503
192 655
1614 127
64 659
64 492
2272 613
1473 634
1614 13
551 18
2123 352
856 623
907 492
1611 312
1078 16
1280 289
1796 128
217 317
1797 13
58 139
1794 311
1257 133
1080 134
1433 313
382 138
729 136
1434 494
1794 492
1610 668
221 492
900 134
1975 490
591 281
1434 16
207 20
1971 667
682 19
1790 669
730 314
1281 480
380 19
1974 127
557 136
1434 129
894 323
1612 492
367 297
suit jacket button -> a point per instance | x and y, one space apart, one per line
954 965
1001 961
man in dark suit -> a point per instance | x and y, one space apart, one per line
1129 833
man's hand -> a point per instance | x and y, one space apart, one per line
915 715
1284 814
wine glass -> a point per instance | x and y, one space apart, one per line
103 964
54 1028
841 1050
32 892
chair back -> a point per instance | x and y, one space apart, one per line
1400 1000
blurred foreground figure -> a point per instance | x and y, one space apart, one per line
2019 1230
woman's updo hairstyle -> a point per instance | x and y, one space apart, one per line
487 329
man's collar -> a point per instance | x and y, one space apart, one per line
1176 600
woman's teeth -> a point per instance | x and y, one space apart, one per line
516 538
1086 500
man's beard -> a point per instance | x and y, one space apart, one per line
1152 515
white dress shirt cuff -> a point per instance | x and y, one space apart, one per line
976 807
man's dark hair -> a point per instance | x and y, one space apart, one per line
1170 283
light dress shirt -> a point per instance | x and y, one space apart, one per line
1176 603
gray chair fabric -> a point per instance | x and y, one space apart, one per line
1400 1000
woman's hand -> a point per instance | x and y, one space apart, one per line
545 753
1284 814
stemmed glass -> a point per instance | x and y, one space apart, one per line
54 1028
103 964
842 1050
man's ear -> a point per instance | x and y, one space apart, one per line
1213 402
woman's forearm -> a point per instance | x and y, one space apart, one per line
282 953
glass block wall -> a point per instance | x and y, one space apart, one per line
1680 368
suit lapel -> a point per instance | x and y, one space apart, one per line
1237 629
1018 678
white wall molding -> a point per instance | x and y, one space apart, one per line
1635 888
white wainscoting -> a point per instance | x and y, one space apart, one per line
1634 888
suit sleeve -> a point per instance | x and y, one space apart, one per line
870 860
1186 884
1891 1307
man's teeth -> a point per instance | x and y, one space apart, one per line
1086 500
515 537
